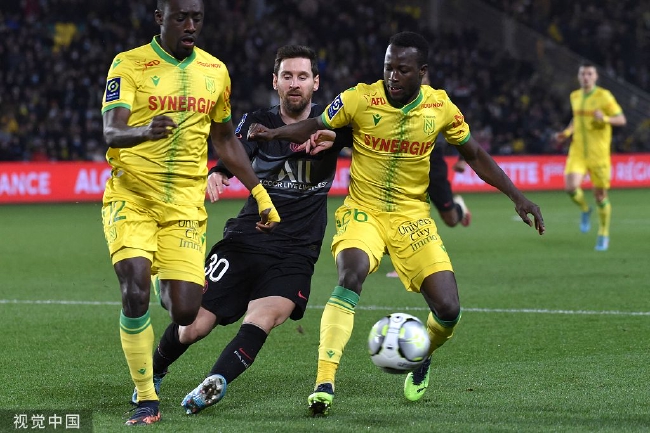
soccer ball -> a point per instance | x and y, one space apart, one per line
398 343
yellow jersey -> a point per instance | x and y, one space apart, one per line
193 92
391 146
592 139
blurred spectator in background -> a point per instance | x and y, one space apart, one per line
52 54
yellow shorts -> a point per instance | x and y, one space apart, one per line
171 237
600 171
411 240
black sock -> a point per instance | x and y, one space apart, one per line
240 353
169 349
460 212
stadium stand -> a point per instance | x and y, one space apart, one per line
54 56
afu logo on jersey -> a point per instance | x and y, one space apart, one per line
239 125
147 64
335 106
113 89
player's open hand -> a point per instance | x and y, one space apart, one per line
160 127
265 225
216 183
523 207
257 132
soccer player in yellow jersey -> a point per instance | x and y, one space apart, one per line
162 100
395 122
595 111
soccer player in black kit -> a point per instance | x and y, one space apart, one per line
264 277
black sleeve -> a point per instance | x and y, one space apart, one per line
249 146
343 138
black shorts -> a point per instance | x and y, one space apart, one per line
236 275
439 186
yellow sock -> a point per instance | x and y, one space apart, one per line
604 217
440 331
335 329
137 343
578 197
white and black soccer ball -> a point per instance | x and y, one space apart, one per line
398 343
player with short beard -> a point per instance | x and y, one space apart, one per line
395 122
266 279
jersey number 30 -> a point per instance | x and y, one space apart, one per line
216 268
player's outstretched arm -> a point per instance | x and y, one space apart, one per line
488 170
233 155
319 141
564 134
298 132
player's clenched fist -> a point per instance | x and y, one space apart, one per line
160 127
257 132
269 217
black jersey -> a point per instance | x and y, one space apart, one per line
297 183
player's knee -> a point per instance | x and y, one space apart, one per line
135 300
448 310
351 280
183 315
193 333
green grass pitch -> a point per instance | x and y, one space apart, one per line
554 335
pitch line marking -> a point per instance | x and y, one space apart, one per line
367 307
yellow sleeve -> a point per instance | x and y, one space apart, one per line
611 108
120 85
456 130
221 113
340 111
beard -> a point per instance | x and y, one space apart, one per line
295 107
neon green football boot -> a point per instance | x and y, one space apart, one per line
417 381
321 399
